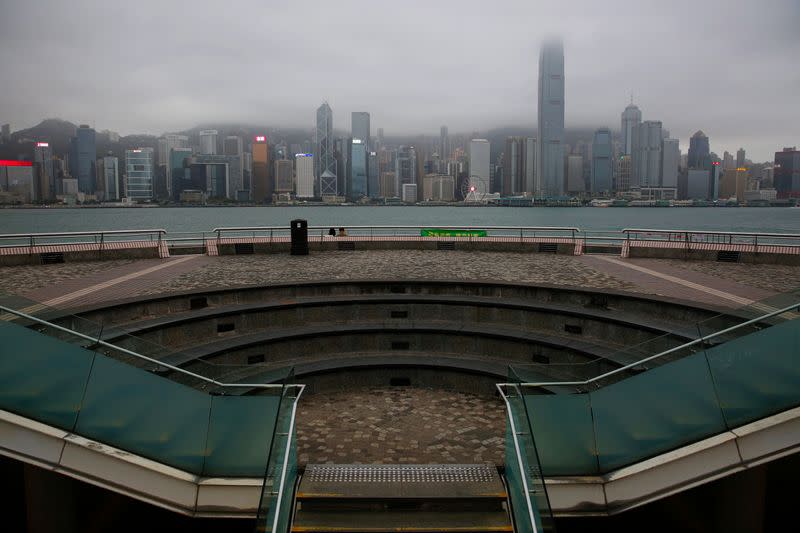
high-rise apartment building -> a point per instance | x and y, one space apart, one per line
631 118
284 176
602 168
670 161
325 161
208 142
550 151
139 170
304 175
479 165
83 158
262 185
699 152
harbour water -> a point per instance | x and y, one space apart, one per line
180 219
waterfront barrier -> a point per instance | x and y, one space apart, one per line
57 247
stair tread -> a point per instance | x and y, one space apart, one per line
407 521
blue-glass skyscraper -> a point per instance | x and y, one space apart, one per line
550 145
82 159
358 170
602 162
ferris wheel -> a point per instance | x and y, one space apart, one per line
474 189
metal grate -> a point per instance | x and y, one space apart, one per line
446 245
346 245
52 258
400 473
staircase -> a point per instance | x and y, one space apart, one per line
408 498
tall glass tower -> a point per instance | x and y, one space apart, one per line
550 146
325 161
83 158
631 118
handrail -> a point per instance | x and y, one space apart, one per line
138 355
76 233
285 228
662 354
286 458
518 453
711 232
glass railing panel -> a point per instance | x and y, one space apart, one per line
562 425
145 414
40 377
758 375
240 457
660 410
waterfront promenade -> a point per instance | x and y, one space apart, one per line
395 424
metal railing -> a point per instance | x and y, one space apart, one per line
689 237
701 340
100 237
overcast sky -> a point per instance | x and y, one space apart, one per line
728 67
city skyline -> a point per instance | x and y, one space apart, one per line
164 84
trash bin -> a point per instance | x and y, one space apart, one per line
299 237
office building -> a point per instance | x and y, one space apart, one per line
728 161
373 173
83 159
670 162
210 176
631 118
623 173
734 183
233 147
518 165
575 183
444 143
325 160
740 160
405 167
110 173
550 151
233 168
409 195
438 188
165 146
5 133
180 160
304 175
17 182
698 184
357 187
602 167
479 161
284 176
262 185
699 152
46 182
139 170
388 185
786 173
208 142
247 172
647 155
360 127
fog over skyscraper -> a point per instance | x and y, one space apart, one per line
360 127
631 118
550 146
602 164
324 159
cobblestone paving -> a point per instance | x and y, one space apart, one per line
25 278
776 278
400 425
231 271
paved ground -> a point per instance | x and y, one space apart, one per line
400 425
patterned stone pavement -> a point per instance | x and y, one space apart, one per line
775 278
400 425
26 278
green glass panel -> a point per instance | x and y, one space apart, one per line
145 414
516 490
562 425
239 435
41 377
759 374
654 412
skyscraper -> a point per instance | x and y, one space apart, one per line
740 157
234 147
83 158
208 142
304 172
787 173
360 127
179 161
550 151
165 146
46 184
699 152
631 118
284 176
139 168
602 163
647 155
670 160
479 160
325 161
110 175
262 186
575 183
444 144
357 187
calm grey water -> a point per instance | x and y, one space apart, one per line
174 219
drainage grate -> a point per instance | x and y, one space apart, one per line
548 247
243 248
727 256
445 245
347 245
51 258
400 473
